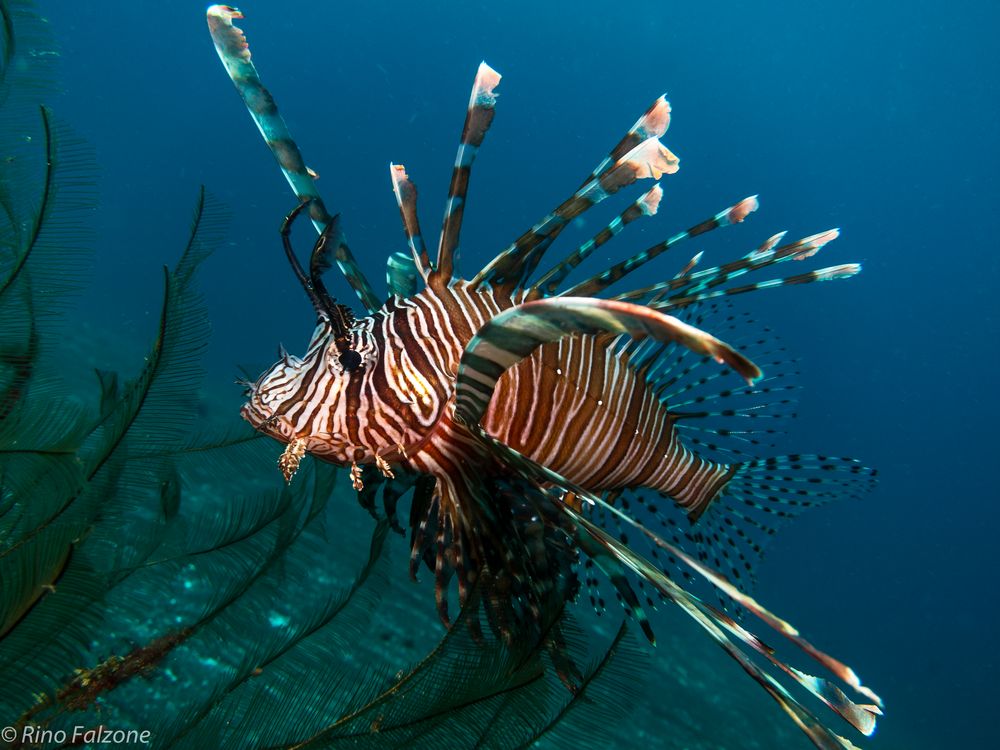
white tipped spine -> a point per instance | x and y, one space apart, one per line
650 201
483 95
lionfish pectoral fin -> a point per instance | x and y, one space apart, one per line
597 550
234 52
515 333
616 557
512 336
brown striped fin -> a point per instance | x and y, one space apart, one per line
510 269
234 52
478 118
717 624
653 124
647 205
515 333
406 198
732 215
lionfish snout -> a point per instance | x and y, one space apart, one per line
272 395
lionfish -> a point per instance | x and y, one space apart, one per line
526 419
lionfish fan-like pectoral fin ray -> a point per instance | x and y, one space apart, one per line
716 623
511 268
478 118
721 421
234 52
515 333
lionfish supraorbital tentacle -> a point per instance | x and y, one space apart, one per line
233 50
478 118
406 198
596 284
319 305
646 205
507 271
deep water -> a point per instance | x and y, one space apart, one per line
877 117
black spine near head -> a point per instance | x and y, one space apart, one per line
338 316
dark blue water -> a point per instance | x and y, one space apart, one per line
879 118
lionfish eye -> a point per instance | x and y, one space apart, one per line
350 360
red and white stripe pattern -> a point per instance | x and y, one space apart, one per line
575 405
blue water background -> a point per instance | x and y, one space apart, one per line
878 117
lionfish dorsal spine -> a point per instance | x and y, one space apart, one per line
646 205
234 51
406 198
510 269
478 118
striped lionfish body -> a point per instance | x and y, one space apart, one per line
536 424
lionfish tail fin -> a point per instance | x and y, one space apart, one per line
234 52
478 118
731 528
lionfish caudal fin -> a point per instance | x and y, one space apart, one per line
768 486
233 50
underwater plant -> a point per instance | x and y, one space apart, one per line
157 587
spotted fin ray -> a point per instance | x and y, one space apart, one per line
514 335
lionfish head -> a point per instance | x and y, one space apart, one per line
296 397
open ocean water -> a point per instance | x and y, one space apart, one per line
876 117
